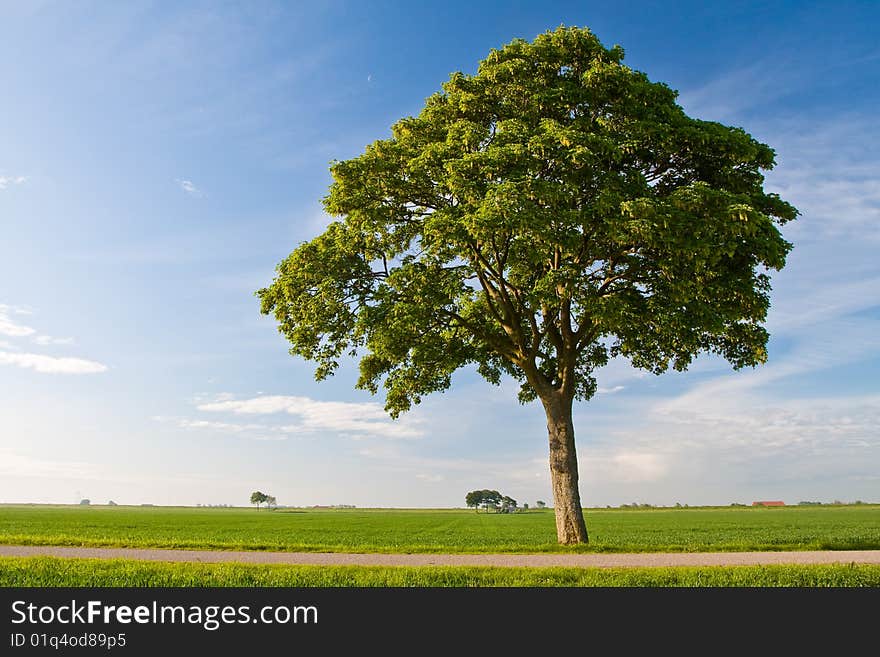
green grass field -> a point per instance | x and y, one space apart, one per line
453 531
48 571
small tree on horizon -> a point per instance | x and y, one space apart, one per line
258 497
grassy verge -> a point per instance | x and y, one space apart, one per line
52 571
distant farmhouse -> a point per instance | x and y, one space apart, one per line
769 503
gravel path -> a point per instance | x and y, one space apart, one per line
532 560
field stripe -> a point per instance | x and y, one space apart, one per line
646 559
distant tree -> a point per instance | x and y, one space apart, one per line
474 499
508 503
258 498
491 499
271 502
85 502
525 506
541 504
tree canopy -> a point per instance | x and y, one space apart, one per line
488 499
258 497
552 211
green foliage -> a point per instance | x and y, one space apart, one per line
488 499
48 571
456 531
491 499
551 211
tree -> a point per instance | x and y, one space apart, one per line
258 498
271 502
490 499
536 219
508 503
541 504
474 499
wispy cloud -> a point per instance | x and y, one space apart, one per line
10 327
625 465
15 310
189 187
50 364
357 419
732 93
750 436
46 340
12 354
13 464
6 181
250 431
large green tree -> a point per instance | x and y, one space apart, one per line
550 212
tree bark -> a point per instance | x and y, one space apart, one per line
570 525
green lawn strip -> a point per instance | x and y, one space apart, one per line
712 529
52 571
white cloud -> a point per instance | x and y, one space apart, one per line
188 187
38 362
250 431
748 439
51 365
13 464
828 171
625 466
729 95
360 419
217 426
45 340
16 310
609 391
6 181
10 327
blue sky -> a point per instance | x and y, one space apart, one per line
158 159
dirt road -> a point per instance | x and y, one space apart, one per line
531 560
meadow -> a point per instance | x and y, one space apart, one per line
49 571
700 529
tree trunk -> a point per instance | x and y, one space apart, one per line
570 525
